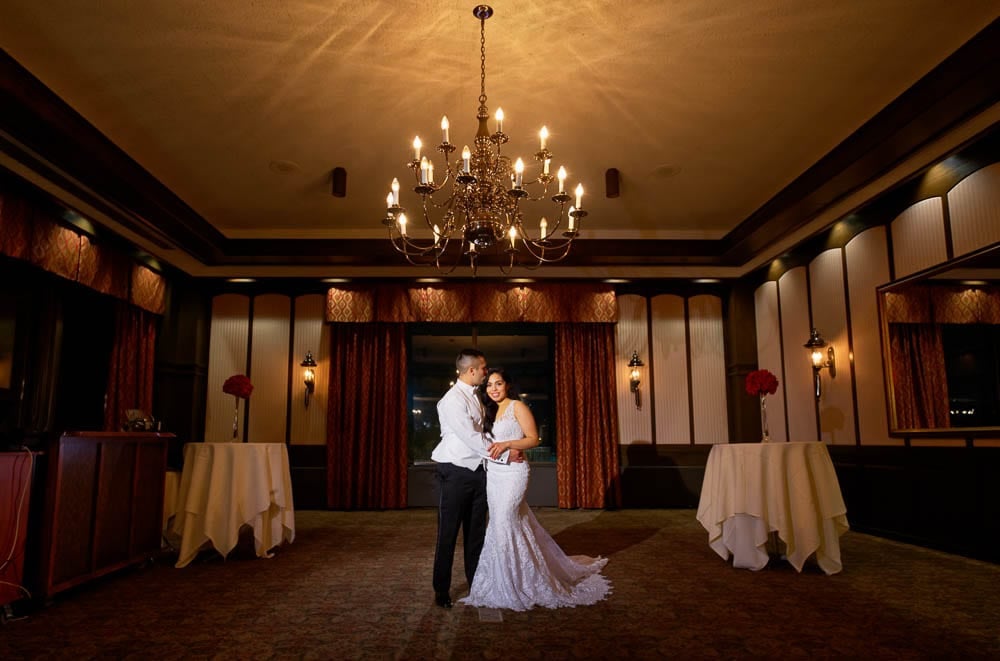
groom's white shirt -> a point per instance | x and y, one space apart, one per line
460 414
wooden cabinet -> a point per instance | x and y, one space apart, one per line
104 505
16 471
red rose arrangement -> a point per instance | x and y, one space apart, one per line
761 382
238 385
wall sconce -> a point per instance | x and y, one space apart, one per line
820 359
309 375
634 377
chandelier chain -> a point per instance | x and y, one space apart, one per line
482 64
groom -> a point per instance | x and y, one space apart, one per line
460 473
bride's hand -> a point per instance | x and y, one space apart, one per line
498 449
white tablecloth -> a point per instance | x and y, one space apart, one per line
751 489
227 485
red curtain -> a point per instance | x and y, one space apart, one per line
130 376
366 435
586 416
920 383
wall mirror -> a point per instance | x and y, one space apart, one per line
941 348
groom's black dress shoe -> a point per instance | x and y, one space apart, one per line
442 599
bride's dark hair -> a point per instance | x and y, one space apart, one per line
489 406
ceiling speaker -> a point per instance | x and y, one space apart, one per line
611 181
339 186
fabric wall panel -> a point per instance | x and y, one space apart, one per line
269 363
768 324
829 316
227 356
311 334
868 268
634 424
799 400
669 353
918 237
974 210
708 370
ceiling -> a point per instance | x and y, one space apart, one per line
207 131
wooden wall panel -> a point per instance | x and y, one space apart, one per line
708 370
768 325
669 353
269 367
799 400
867 261
72 521
227 356
634 424
974 210
112 530
311 334
918 237
829 316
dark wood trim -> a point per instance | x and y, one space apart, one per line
690 379
781 345
949 243
291 370
850 345
249 363
40 120
809 308
651 373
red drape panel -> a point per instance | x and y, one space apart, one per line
920 383
587 464
366 435
130 376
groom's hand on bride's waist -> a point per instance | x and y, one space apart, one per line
516 456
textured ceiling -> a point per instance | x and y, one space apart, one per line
708 108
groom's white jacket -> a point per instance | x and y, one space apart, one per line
460 414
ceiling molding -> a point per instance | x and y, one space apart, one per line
50 138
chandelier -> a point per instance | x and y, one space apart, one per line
476 209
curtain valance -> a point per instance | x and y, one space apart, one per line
30 234
474 302
943 304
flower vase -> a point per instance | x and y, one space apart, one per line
236 420
765 437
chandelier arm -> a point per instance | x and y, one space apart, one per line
542 196
430 257
449 269
510 263
447 204
404 249
562 246
411 248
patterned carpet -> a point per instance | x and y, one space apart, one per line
357 585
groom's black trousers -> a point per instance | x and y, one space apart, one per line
462 504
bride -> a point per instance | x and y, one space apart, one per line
521 566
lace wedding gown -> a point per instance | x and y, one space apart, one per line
521 566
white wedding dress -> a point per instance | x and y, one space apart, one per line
521 566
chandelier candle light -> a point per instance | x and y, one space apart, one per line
479 198
762 383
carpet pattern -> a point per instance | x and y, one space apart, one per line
357 585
